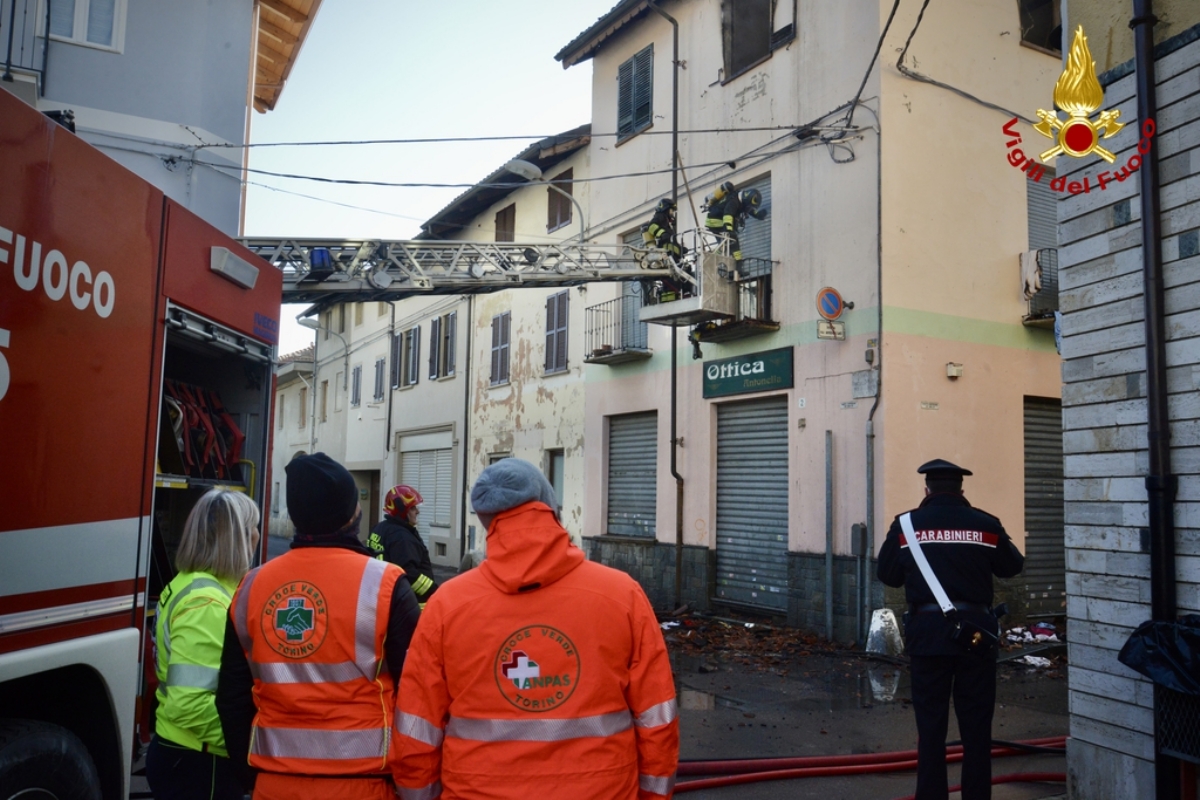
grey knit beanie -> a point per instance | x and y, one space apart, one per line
509 483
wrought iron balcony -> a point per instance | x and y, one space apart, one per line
612 333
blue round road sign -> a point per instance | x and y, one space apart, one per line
830 304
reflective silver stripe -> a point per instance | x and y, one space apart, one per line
418 728
323 745
538 730
197 583
429 792
192 676
365 615
240 611
653 783
307 672
660 714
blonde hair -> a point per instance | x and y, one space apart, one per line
216 536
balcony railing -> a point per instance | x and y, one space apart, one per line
612 332
1044 302
25 49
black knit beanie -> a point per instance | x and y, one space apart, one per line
321 495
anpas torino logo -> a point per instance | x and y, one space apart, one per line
294 620
537 668
1079 94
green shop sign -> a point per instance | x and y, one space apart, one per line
756 372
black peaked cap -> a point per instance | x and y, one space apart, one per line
941 468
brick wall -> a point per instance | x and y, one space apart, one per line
1104 419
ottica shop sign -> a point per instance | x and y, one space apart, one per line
756 372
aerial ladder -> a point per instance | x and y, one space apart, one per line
330 271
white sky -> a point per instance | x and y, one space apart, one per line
387 69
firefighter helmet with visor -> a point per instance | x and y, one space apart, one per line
400 500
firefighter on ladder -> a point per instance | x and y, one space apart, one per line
727 213
660 233
395 539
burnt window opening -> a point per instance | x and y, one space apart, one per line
635 94
558 206
1041 24
506 224
746 33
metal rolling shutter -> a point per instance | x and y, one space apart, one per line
1045 560
632 474
756 236
1043 212
752 502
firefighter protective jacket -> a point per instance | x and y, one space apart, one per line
539 674
189 632
312 624
399 543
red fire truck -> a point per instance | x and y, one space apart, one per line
135 372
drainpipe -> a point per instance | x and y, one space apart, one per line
674 328
829 535
1160 482
387 440
466 433
866 604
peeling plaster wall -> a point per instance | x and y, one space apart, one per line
533 412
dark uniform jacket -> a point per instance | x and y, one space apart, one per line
965 547
399 543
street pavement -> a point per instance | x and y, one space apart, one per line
835 703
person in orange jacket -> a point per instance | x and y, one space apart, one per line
538 674
315 641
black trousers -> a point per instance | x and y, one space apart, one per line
176 772
971 681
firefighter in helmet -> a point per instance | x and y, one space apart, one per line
395 539
727 213
661 230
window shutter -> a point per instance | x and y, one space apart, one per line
551 331
506 322
495 376
450 343
435 341
643 91
561 347
395 361
625 97
416 355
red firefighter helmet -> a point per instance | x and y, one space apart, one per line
400 499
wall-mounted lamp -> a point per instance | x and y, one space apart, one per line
954 371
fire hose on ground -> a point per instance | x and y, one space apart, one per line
734 772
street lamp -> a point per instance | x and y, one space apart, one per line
312 324
533 173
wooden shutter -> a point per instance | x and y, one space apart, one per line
450 342
643 88
505 324
495 375
397 353
416 355
625 98
435 341
560 348
551 331
506 223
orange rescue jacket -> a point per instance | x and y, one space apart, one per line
539 674
312 623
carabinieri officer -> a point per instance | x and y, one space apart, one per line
965 547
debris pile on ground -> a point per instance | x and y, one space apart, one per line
747 642
1038 632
